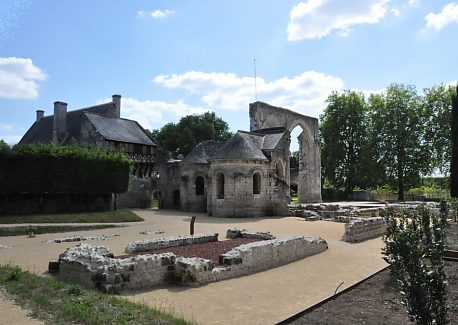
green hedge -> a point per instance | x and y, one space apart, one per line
48 168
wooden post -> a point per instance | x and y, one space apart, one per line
191 226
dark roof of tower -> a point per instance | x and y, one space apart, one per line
203 152
242 145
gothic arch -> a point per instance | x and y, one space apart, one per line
265 116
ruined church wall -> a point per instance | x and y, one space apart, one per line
138 195
264 116
191 200
239 200
168 185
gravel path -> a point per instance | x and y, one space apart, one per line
13 314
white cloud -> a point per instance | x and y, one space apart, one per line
156 14
153 114
305 93
413 2
11 139
6 127
318 18
395 12
448 15
19 78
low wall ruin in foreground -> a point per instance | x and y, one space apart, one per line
96 267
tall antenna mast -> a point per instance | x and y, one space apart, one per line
255 86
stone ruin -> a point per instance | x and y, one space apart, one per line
96 266
361 223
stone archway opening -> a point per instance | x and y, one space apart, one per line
294 160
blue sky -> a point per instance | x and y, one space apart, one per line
172 58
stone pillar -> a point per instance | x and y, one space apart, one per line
40 114
309 176
117 103
59 122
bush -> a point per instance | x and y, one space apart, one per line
414 246
48 168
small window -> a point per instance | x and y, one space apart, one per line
220 186
257 183
200 184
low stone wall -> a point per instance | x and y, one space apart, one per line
243 233
362 229
95 267
148 245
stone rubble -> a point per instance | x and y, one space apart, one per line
151 232
233 233
4 247
80 238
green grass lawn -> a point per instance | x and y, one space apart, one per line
80 217
60 303
37 230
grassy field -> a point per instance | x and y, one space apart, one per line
80 217
60 303
36 230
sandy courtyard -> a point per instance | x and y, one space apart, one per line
262 298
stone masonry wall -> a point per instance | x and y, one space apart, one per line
148 245
95 267
247 259
190 201
138 195
362 229
239 200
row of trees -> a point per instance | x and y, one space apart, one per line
182 137
392 138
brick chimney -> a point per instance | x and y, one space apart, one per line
117 103
40 114
60 122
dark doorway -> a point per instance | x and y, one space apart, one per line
176 198
200 185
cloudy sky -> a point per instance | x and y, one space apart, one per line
172 58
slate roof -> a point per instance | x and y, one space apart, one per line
41 130
103 119
273 141
203 152
119 129
242 145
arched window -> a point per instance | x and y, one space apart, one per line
220 186
257 183
279 169
200 183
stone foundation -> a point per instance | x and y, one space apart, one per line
149 245
96 267
361 229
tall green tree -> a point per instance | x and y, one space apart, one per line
437 103
454 144
344 134
182 137
398 120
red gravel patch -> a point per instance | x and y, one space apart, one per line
209 251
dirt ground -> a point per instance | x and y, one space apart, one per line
376 301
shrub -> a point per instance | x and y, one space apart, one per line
414 245
48 168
